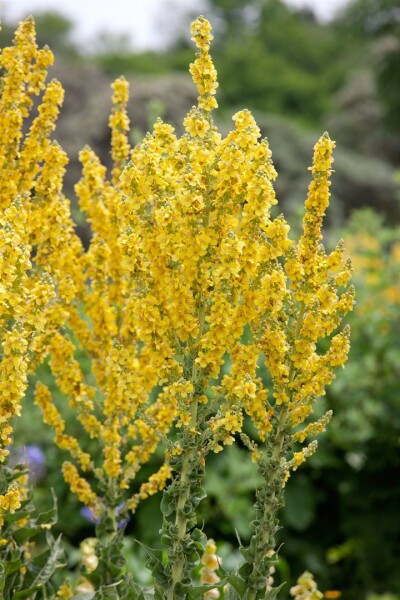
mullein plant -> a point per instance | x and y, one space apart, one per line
186 266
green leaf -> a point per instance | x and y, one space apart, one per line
230 593
167 506
11 566
2 576
198 591
199 536
26 593
155 554
19 514
24 534
52 563
197 495
272 594
238 583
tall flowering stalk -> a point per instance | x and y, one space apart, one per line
314 302
26 289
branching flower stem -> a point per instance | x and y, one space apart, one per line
270 498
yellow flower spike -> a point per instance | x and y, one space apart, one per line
37 142
317 199
300 457
81 488
52 417
24 161
313 428
201 33
203 72
119 124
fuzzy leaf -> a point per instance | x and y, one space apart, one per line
199 590
197 495
17 516
237 583
273 594
52 563
199 536
24 534
166 506
26 593
11 566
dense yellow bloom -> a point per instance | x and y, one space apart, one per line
119 123
10 501
39 251
185 261
26 294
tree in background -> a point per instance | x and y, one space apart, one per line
378 21
291 63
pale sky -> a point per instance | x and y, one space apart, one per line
147 22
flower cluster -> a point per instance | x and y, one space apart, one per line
25 293
306 588
210 563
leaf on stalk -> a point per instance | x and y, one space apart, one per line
272 594
52 563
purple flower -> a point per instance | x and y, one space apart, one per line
34 458
122 522
88 515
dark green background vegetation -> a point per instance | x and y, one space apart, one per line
300 77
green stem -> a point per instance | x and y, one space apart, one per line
188 477
183 514
269 501
111 565
179 559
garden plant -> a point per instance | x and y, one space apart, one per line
190 284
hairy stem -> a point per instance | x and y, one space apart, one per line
269 499
181 522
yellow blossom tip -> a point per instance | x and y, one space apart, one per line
201 29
